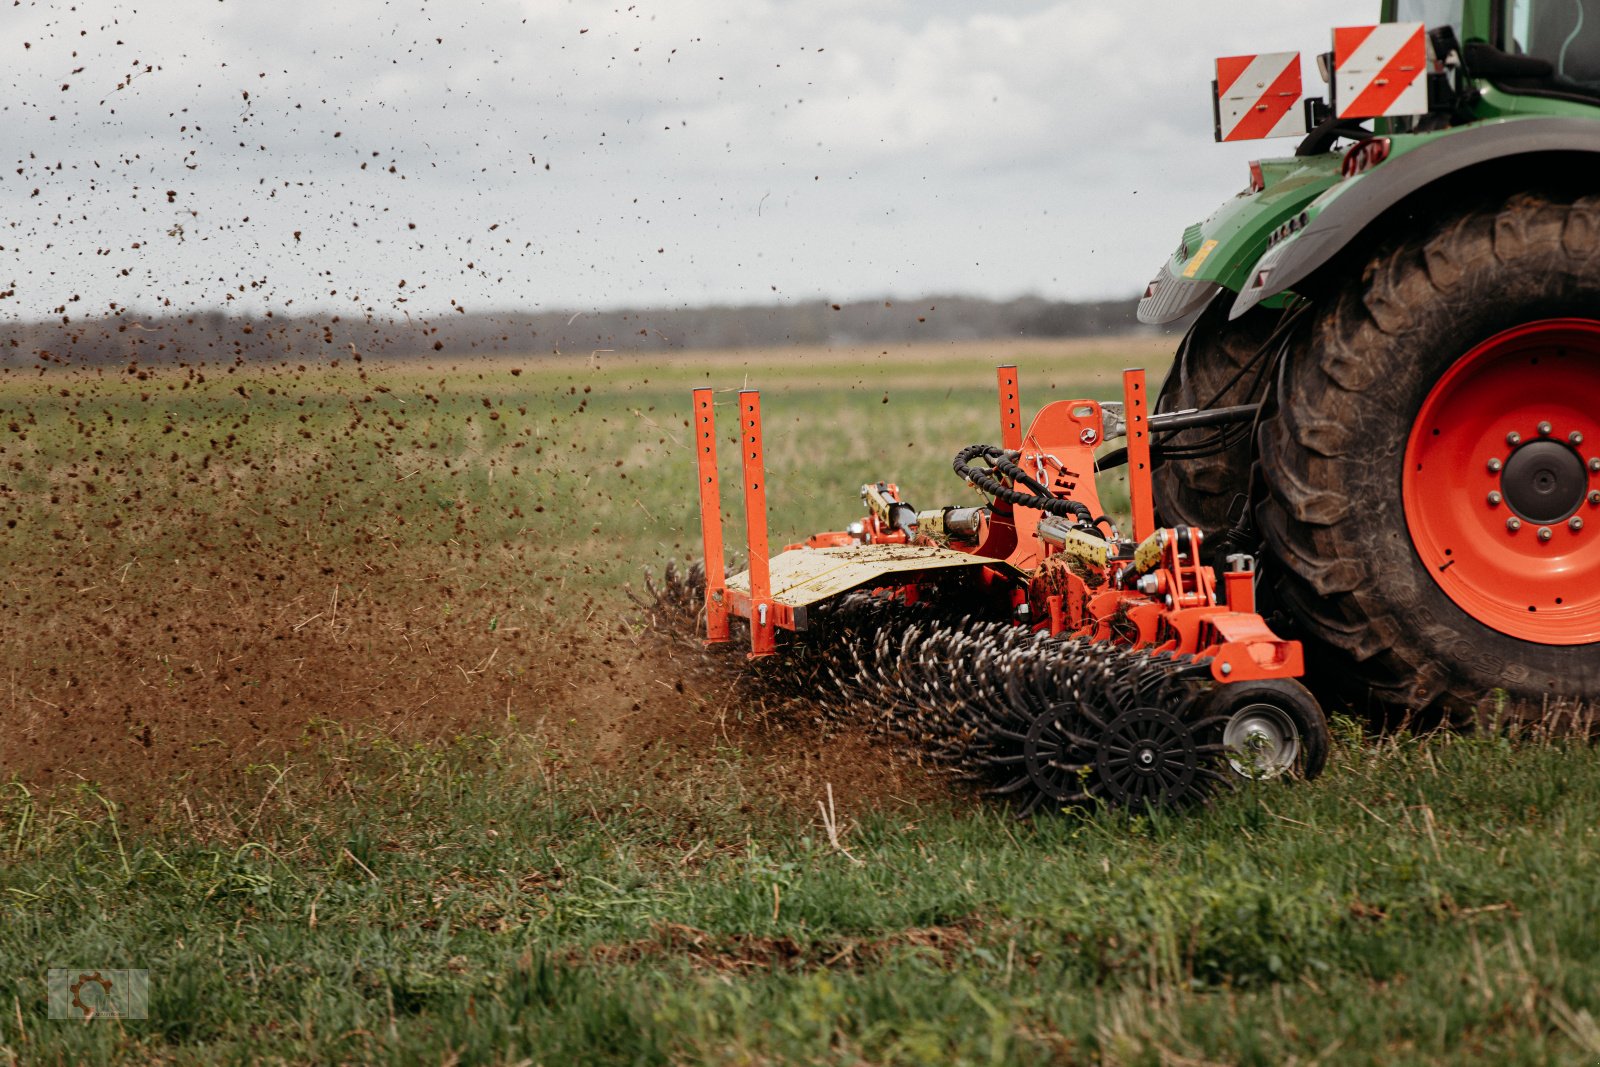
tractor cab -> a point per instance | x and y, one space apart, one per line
1521 47
1560 42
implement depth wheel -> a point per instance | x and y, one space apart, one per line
1433 465
1271 729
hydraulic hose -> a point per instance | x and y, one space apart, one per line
1003 463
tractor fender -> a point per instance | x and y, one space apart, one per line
1343 214
1169 297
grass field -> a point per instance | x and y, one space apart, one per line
323 703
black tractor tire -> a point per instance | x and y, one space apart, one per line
1212 369
1333 447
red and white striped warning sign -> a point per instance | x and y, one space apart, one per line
1258 96
1380 70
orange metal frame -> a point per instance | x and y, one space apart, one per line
705 434
1175 607
1010 408
756 605
1139 474
763 641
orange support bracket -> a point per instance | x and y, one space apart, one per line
1135 410
763 641
1010 409
705 437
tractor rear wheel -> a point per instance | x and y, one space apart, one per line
1220 363
1432 466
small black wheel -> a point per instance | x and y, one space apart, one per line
1057 756
1270 729
1151 757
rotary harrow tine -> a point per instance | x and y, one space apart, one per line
1018 713
1027 809
1011 787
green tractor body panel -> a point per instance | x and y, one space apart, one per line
1220 252
1417 165
1302 211
1496 103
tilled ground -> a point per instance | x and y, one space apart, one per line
168 683
206 572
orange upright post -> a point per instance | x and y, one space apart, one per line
705 438
1010 409
762 639
1136 410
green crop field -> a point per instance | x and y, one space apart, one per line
325 703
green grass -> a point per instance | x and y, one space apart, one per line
1426 901
491 900
590 457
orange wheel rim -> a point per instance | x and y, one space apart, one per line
1502 482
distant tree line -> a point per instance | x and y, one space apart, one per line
218 337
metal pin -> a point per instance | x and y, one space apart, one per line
1544 429
1495 465
1594 464
1513 438
1575 438
1594 498
1513 524
1495 498
1575 524
1545 534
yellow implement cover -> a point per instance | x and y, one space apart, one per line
805 576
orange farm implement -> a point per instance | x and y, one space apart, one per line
1025 638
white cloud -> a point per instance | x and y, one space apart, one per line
695 150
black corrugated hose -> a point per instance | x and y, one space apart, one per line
1004 463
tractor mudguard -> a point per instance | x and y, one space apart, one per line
1169 297
1343 214
1220 252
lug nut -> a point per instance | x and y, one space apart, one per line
1544 429
1575 524
1594 464
1494 499
1513 438
1575 438
1594 498
1545 534
1495 465
1513 524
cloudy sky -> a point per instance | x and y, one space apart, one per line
353 155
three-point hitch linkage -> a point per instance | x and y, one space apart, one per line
1024 637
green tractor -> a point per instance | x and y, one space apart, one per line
1410 304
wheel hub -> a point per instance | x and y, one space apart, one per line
1148 756
1262 742
1544 482
1501 482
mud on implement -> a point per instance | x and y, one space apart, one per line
1027 640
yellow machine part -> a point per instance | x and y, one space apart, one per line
802 577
